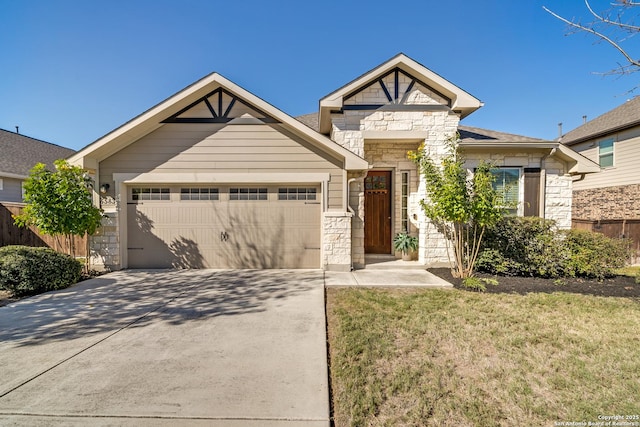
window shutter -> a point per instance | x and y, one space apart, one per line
531 191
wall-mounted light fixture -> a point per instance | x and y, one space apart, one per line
104 188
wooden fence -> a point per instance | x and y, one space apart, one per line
616 228
10 234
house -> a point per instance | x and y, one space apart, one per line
19 153
613 141
216 177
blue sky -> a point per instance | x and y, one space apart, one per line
73 70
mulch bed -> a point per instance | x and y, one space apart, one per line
617 286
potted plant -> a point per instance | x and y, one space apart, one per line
406 244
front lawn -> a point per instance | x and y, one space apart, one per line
455 358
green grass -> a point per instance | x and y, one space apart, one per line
455 358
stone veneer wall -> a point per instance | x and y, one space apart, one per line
105 254
607 203
348 130
336 242
558 198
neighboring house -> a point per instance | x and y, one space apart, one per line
216 177
613 141
18 154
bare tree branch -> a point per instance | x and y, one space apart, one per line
634 65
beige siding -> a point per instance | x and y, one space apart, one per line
625 169
11 190
224 148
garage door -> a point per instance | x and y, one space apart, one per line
224 227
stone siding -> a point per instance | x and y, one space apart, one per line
336 242
105 253
607 203
348 130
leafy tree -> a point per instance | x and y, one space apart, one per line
461 206
59 203
613 27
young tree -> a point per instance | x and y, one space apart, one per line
613 27
59 203
461 206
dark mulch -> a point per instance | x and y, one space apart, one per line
617 286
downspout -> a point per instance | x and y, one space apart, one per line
543 182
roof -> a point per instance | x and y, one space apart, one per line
20 153
153 118
484 139
461 101
625 116
473 134
310 120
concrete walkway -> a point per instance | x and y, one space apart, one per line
192 347
373 277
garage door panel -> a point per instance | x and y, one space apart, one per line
224 234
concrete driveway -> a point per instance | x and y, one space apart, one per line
190 347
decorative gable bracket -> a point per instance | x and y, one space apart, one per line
220 105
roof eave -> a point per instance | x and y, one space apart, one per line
578 164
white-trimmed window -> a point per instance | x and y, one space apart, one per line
247 193
297 193
1 185
507 184
199 194
150 193
605 153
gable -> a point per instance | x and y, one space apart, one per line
214 100
398 84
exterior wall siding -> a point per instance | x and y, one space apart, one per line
11 190
625 169
197 148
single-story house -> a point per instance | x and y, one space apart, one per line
20 153
216 177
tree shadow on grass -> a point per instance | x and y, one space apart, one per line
139 298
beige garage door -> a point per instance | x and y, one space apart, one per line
224 227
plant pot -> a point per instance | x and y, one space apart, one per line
407 256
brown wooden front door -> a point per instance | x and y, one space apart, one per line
377 212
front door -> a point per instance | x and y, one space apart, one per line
377 212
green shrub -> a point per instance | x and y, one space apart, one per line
533 247
518 246
28 271
594 254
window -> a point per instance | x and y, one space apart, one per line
297 193
405 202
605 153
150 194
199 194
1 187
507 184
247 194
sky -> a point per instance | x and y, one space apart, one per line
71 71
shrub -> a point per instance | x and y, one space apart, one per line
28 271
594 254
518 246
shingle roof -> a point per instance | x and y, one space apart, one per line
624 116
473 134
310 120
467 133
20 153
